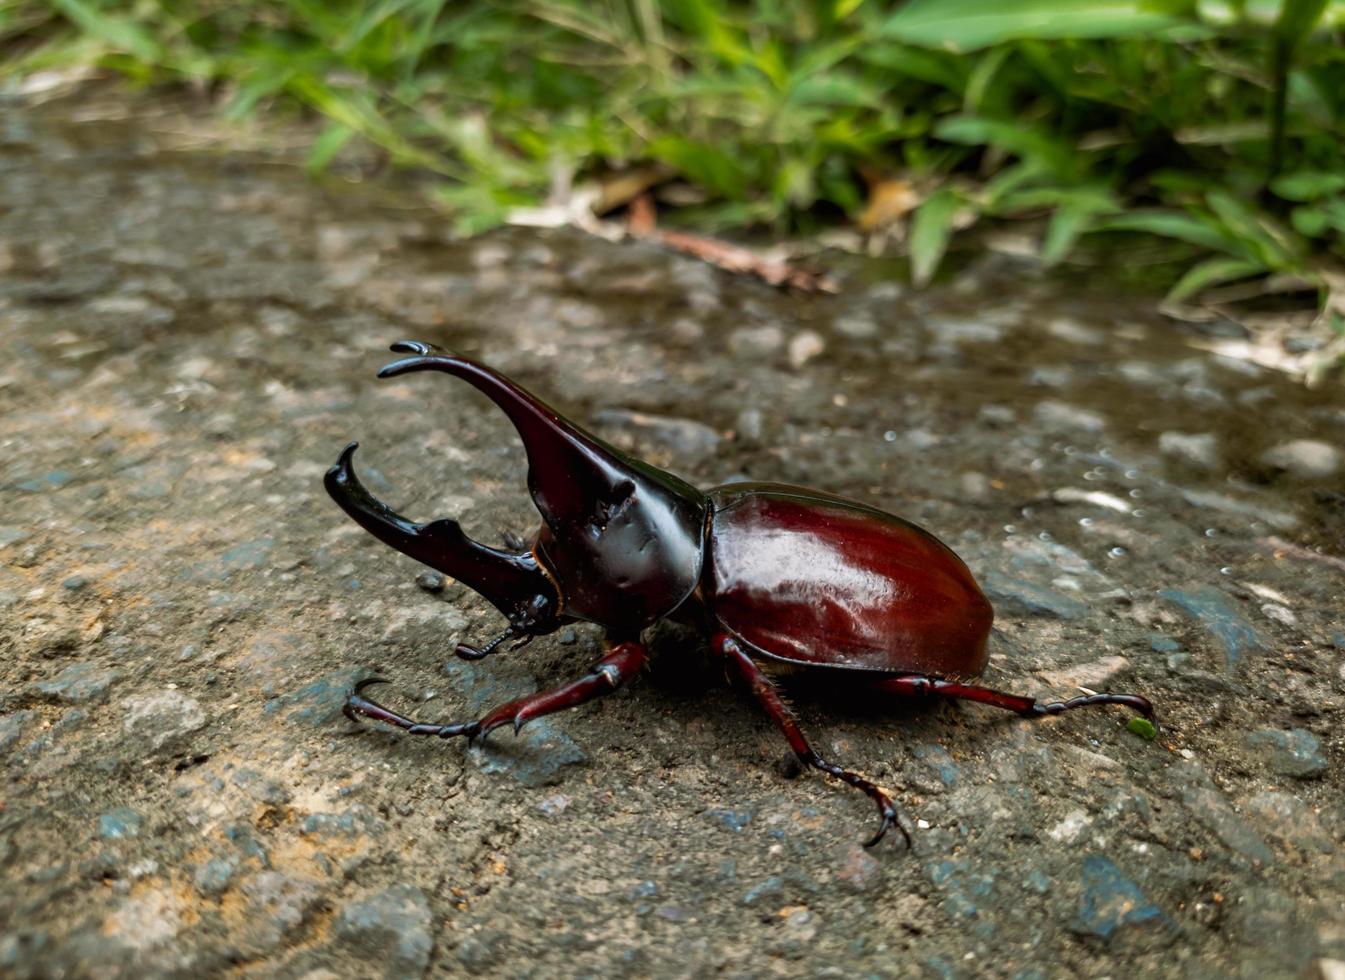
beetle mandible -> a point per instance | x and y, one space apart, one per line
779 577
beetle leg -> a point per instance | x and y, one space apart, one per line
621 664
358 704
763 689
920 685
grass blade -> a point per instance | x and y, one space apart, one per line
931 229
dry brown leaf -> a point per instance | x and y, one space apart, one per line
890 200
616 190
641 223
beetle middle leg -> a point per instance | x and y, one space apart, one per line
921 685
763 689
622 663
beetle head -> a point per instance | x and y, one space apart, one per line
622 540
513 582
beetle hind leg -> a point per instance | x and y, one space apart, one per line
764 690
921 685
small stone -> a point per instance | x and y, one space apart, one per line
47 481
859 869
1068 830
686 332
480 950
856 326
161 716
1328 969
1159 643
431 581
1220 615
1272 924
1071 330
1224 503
279 904
803 347
1016 595
391 928
1111 901
1062 416
756 342
120 823
954 330
214 877
1199 451
772 888
9 534
77 683
735 820
1097 675
320 703
973 485
1093 498
996 416
1295 752
1306 458
74 583
749 425
1286 818
358 819
554 804
938 759
261 789
13 726
644 889
1280 614
801 924
1209 807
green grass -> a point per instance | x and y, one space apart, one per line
1217 126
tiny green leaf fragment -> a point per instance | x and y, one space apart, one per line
1142 727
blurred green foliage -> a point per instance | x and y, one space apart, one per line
1218 125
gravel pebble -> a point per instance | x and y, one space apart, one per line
392 928
1310 459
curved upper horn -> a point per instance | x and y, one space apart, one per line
625 537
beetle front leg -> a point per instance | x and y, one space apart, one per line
763 689
920 685
622 663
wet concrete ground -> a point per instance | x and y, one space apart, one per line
188 340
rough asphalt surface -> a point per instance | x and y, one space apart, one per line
190 337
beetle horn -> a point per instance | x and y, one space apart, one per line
510 581
622 539
568 469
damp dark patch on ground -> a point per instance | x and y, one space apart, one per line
190 336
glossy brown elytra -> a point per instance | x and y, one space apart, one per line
776 576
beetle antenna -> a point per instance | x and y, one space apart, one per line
467 652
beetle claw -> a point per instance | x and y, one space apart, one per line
351 709
890 819
468 652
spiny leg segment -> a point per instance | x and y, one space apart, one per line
764 690
622 663
922 685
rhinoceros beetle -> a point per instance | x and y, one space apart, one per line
781 578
